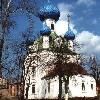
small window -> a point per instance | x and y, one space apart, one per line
49 87
52 26
33 71
33 88
92 86
83 86
45 91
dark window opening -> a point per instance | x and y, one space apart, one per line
52 26
45 91
49 87
33 88
33 71
83 86
92 86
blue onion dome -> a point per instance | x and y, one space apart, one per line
69 35
49 11
45 30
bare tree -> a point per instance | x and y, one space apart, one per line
8 8
19 50
94 68
28 71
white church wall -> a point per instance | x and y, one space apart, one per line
70 45
40 86
54 88
45 42
77 90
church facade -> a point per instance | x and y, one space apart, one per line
40 54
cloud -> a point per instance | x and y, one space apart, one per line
86 2
62 27
62 24
90 41
65 9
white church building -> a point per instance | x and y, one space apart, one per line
40 54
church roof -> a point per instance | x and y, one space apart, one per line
49 11
68 69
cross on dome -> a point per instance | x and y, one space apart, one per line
69 35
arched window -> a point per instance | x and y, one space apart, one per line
92 86
52 26
49 87
83 86
33 88
33 71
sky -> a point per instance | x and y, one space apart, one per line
85 22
